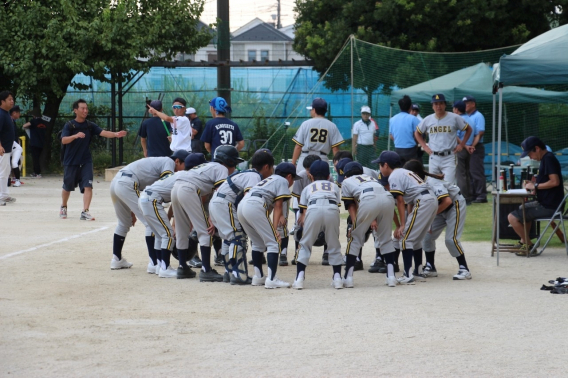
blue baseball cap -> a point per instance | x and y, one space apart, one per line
468 98
389 157
529 144
220 105
460 105
353 168
263 150
341 168
156 104
318 103
384 180
179 154
438 98
319 168
194 159
415 107
287 169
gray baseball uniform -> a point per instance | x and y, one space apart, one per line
187 203
416 193
254 212
453 218
378 205
151 203
316 136
442 140
126 186
321 201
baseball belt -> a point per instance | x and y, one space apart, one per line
313 202
442 153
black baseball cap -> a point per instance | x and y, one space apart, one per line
179 154
415 107
156 104
529 144
468 98
287 169
318 103
319 168
351 167
460 105
438 98
194 159
341 169
389 157
264 150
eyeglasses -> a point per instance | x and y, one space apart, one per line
177 106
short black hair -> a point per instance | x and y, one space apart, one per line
341 155
79 101
260 159
309 160
5 94
180 100
392 166
320 111
405 103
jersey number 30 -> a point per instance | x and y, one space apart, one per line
226 137
318 135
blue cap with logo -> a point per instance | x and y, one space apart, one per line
263 150
194 159
468 98
341 168
287 169
384 180
389 157
319 168
438 98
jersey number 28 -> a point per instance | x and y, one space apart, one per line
318 135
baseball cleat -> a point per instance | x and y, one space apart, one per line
219 260
158 267
298 284
391 281
283 260
226 277
16 183
169 272
275 283
119 264
325 259
151 268
237 281
195 262
404 280
337 283
430 271
358 265
348 282
185 273
258 281
63 212
463 274
210 276
378 266
85 215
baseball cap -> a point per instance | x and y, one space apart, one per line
180 154
352 166
263 150
156 104
341 169
438 98
365 109
389 157
415 107
318 103
15 109
468 98
384 180
529 144
287 169
180 100
460 105
319 168
194 159
189 111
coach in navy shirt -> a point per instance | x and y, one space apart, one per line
221 131
155 134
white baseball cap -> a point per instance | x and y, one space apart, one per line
189 111
365 109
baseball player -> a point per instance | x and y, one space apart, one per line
297 188
181 127
187 202
254 214
409 188
450 215
316 136
223 212
442 128
221 131
377 213
319 208
124 191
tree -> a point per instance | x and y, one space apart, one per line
46 43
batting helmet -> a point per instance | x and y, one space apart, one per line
179 154
227 155
320 241
193 242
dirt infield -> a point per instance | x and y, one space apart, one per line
63 312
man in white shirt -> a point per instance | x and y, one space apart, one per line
364 132
181 127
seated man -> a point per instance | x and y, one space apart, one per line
548 187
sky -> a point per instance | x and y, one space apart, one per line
243 11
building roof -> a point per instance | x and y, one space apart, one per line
201 25
259 31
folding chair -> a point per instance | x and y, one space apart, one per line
559 217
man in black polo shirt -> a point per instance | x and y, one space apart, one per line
155 134
197 130
77 162
549 189
37 127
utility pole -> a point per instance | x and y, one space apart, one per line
223 51
278 24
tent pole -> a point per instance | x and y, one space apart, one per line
506 122
352 100
498 191
493 146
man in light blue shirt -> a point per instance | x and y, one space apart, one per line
463 173
478 188
401 130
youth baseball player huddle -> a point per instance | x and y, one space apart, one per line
208 197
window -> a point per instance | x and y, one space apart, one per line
251 55
264 55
